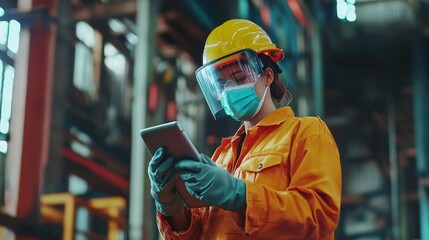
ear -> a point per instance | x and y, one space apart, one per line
269 76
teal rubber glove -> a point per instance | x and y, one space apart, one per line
162 176
212 184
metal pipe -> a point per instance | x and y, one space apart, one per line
140 211
317 71
393 161
421 115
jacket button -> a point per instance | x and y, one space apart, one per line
260 165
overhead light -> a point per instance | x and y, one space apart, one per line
3 146
346 10
132 38
13 38
117 26
85 33
114 60
341 9
351 16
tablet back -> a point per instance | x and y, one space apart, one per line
171 136
178 144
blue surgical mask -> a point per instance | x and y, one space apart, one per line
241 102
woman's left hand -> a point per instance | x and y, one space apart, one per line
212 184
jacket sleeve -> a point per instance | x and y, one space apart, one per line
309 208
193 232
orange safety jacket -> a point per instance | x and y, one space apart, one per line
292 171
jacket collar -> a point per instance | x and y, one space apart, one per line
277 117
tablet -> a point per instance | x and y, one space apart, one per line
171 136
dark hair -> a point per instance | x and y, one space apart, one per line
279 91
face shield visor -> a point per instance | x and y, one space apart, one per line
226 73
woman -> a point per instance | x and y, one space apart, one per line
278 177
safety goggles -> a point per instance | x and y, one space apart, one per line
231 71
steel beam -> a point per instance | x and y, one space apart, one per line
104 11
141 215
55 179
25 16
31 116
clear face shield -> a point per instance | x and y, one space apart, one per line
232 71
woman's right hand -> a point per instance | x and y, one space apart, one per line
162 176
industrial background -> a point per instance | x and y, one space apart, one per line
80 78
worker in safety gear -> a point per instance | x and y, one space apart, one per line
277 177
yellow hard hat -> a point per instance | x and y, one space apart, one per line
238 34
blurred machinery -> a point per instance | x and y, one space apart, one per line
65 208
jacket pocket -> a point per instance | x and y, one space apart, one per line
268 170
